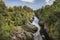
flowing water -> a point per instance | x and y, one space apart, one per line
37 35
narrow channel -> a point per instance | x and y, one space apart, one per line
37 35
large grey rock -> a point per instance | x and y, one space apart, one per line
30 28
20 34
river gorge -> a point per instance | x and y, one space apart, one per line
37 35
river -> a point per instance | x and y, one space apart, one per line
37 35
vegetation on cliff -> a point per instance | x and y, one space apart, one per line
11 17
50 17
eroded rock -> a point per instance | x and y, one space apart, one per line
20 34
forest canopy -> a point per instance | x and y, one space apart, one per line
50 16
11 17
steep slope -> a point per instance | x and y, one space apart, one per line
49 16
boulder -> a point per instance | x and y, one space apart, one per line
30 28
20 34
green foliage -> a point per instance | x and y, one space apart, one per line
13 17
50 15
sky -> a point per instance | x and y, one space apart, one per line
34 4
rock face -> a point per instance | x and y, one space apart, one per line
20 34
23 33
30 28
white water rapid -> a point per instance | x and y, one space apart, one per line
37 35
